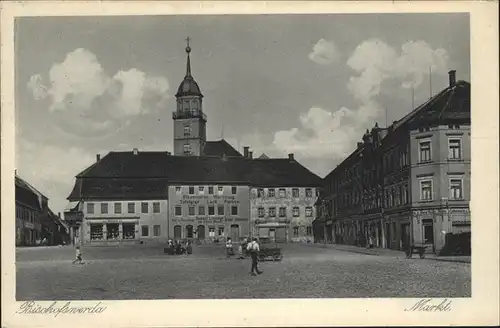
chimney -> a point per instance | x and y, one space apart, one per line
245 151
136 151
452 77
290 157
250 154
97 157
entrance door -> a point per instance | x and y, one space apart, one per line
428 233
405 235
280 235
177 232
201 232
189 231
272 234
235 232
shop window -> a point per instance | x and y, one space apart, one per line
211 232
96 232
112 231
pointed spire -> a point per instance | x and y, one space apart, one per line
188 65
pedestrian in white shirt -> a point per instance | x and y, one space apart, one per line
253 248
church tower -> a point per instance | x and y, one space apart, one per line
189 120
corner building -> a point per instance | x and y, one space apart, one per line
206 190
405 184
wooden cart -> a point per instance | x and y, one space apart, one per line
270 252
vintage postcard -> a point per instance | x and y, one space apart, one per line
249 163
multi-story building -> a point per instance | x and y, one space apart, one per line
283 208
35 221
415 178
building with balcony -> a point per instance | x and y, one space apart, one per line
408 183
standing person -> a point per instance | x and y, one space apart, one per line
253 248
229 248
78 259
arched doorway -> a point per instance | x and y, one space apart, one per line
177 232
189 231
201 232
235 232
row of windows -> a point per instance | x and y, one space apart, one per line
26 215
396 196
117 208
455 187
201 189
283 211
396 160
282 192
454 150
202 208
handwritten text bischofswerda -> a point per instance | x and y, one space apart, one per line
57 308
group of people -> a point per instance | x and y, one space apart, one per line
180 248
246 249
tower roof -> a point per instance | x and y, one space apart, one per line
188 86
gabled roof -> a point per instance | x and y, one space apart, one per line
26 196
219 148
147 174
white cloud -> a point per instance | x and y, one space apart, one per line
333 134
324 52
56 176
81 91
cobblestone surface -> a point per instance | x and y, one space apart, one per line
143 272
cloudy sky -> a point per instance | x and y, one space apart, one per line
307 84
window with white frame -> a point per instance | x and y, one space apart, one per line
187 148
144 207
234 210
210 190
272 211
282 193
201 210
178 189
282 211
104 208
220 209
296 211
261 212
156 207
454 148
118 208
187 130
220 189
426 189
309 211
425 151
178 210
309 192
456 188
90 208
260 192
191 211
131 207
211 232
234 189
201 189
271 193
211 210
295 192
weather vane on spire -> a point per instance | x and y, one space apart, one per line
188 48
